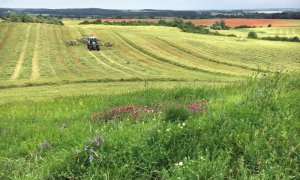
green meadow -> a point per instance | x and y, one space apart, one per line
158 104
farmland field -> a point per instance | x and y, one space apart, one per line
280 27
158 104
37 54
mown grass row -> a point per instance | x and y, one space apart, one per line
66 36
169 61
131 56
188 51
12 51
26 66
3 34
46 68
254 53
6 35
166 51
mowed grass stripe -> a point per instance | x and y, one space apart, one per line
197 48
115 60
77 72
264 53
5 46
26 68
195 52
112 54
67 37
148 65
46 70
102 64
12 51
59 53
132 56
181 55
54 54
107 60
108 67
3 32
233 52
7 36
138 59
85 58
35 62
168 60
16 72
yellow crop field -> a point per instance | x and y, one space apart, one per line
37 55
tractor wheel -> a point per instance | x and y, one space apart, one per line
98 49
91 48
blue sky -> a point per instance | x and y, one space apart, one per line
152 4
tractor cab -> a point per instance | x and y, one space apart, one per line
92 43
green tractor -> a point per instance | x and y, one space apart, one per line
92 44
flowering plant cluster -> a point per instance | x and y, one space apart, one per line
198 106
132 112
125 113
89 151
45 144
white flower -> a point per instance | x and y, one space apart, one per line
176 164
180 163
183 124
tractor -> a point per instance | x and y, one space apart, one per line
92 44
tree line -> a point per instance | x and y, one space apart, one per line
149 13
25 18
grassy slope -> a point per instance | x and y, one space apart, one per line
241 131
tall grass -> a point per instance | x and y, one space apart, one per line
247 130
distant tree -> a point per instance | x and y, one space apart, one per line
270 25
295 39
98 21
220 25
216 26
162 22
14 18
177 22
252 35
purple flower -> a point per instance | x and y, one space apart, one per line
96 141
46 143
91 158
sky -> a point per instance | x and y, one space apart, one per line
152 4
